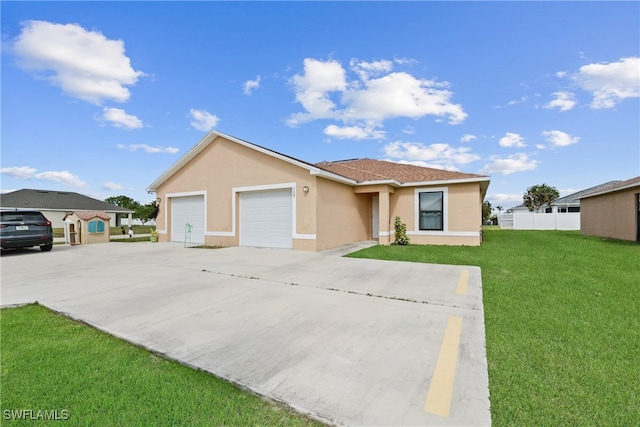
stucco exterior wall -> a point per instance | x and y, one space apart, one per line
217 170
463 212
612 215
343 216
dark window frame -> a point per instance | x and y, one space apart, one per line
431 211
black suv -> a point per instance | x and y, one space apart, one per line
23 229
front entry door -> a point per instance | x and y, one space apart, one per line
375 216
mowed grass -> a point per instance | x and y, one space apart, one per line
562 319
51 363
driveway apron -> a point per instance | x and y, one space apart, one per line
347 341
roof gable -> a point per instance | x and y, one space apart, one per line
55 200
351 172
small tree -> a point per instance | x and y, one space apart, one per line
401 232
486 211
499 209
538 196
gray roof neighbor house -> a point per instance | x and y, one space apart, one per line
56 204
55 200
571 200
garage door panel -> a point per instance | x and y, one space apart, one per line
187 210
266 219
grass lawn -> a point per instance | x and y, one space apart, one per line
562 318
51 363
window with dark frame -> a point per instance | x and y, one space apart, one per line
431 215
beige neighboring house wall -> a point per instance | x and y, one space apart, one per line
332 204
613 212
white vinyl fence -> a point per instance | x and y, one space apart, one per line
521 220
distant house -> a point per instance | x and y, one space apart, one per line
612 212
55 205
564 213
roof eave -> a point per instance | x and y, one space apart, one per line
212 135
612 190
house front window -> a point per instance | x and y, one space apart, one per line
431 210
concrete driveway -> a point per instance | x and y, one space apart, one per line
348 341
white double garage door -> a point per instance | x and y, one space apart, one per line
266 219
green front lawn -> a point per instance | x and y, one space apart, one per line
84 377
562 318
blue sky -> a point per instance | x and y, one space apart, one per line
102 97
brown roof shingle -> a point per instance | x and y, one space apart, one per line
361 170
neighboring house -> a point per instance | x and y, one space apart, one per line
229 192
613 212
55 205
86 227
564 213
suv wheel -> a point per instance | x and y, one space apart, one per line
46 248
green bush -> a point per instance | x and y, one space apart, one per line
401 232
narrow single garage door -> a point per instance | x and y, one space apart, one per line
187 210
266 219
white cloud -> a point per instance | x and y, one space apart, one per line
148 149
367 69
507 165
468 138
353 132
84 64
62 177
374 95
511 139
610 83
24 172
250 85
203 120
564 101
559 138
313 90
120 119
442 155
499 198
112 186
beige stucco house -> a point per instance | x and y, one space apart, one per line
612 212
229 192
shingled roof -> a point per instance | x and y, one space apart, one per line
614 186
55 200
362 170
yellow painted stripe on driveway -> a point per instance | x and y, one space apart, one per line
463 281
439 397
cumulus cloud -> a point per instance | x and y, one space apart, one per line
610 83
374 94
250 85
468 138
511 139
112 186
353 132
119 118
148 149
24 172
443 156
27 172
559 138
203 120
84 64
564 101
507 165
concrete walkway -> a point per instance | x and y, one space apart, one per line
348 341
